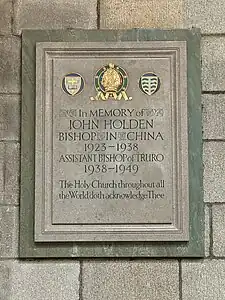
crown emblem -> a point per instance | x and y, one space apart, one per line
111 81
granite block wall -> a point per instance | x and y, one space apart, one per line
144 279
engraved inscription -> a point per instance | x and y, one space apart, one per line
112 145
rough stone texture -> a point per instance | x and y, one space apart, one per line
5 16
8 232
207 15
207 231
5 283
119 14
39 281
213 116
2 167
41 14
122 280
9 117
9 65
218 215
214 175
213 57
203 280
9 172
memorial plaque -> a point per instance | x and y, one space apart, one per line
111 144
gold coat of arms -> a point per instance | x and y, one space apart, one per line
111 81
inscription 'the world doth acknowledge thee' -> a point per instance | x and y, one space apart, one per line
111 142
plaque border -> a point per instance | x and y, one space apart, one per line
195 246
45 229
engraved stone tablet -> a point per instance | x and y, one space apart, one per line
111 149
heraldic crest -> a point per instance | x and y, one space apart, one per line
73 84
149 83
111 81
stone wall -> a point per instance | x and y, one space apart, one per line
142 279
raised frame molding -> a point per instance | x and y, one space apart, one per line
28 247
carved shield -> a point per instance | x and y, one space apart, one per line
149 83
73 84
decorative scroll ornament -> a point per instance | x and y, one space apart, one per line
111 81
149 83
